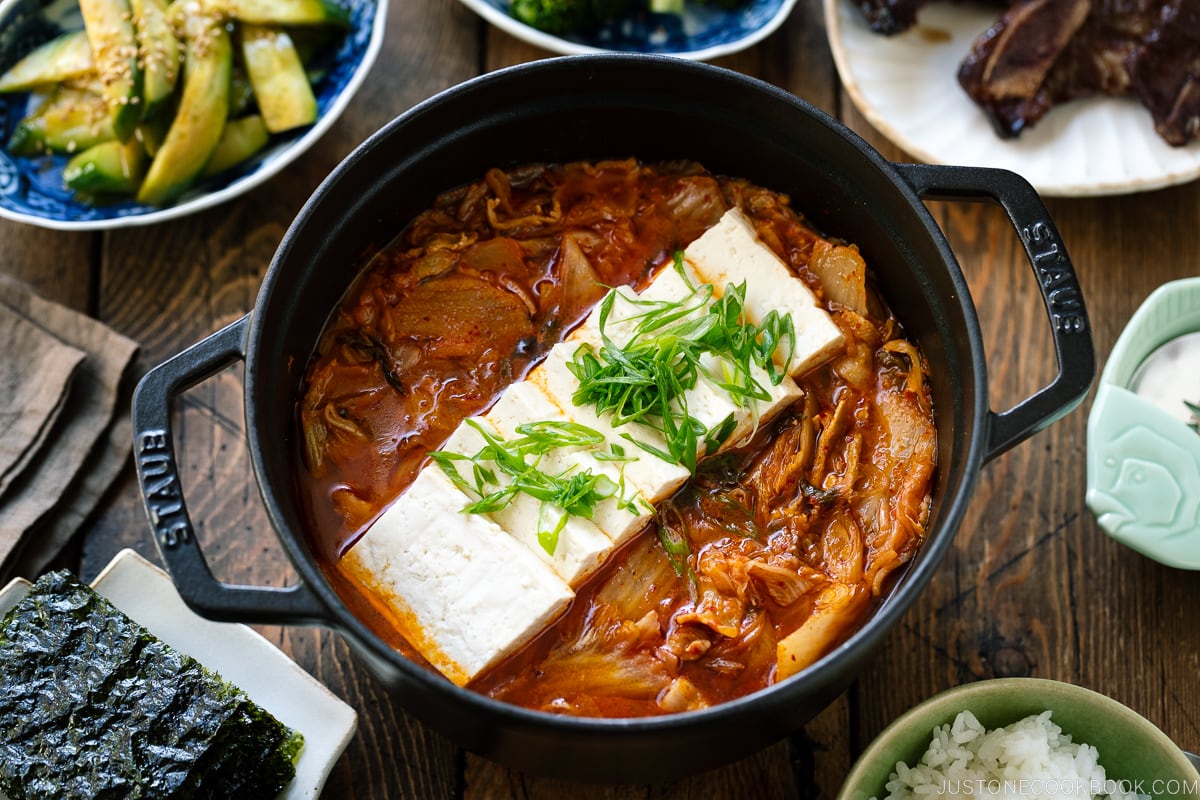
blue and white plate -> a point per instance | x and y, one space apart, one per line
699 34
31 189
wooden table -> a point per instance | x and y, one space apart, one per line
1031 586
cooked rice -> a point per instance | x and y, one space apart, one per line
1029 759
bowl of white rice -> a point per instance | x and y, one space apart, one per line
1023 738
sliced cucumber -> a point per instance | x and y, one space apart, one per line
159 50
281 87
107 168
111 33
63 58
67 121
283 12
87 82
241 93
240 140
203 109
151 133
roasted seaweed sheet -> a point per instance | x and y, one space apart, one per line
96 707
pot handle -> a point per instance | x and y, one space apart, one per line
1056 279
162 494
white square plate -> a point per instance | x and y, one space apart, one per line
240 654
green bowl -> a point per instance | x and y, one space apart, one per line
1131 748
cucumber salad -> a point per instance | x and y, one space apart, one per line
150 97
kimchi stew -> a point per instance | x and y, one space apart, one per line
615 439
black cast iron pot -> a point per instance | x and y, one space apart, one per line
598 107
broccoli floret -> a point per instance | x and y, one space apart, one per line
552 16
564 16
567 16
666 6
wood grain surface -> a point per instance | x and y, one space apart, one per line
1030 587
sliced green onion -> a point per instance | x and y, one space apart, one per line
672 534
504 468
551 434
548 533
716 436
646 379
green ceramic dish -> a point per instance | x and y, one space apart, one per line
1130 747
1143 463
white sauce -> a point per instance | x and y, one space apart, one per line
1170 375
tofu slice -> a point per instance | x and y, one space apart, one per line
654 477
707 402
524 402
669 286
463 592
581 548
731 252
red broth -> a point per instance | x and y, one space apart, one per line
790 537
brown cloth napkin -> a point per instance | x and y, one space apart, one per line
35 373
86 447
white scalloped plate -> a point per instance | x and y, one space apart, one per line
906 86
238 653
